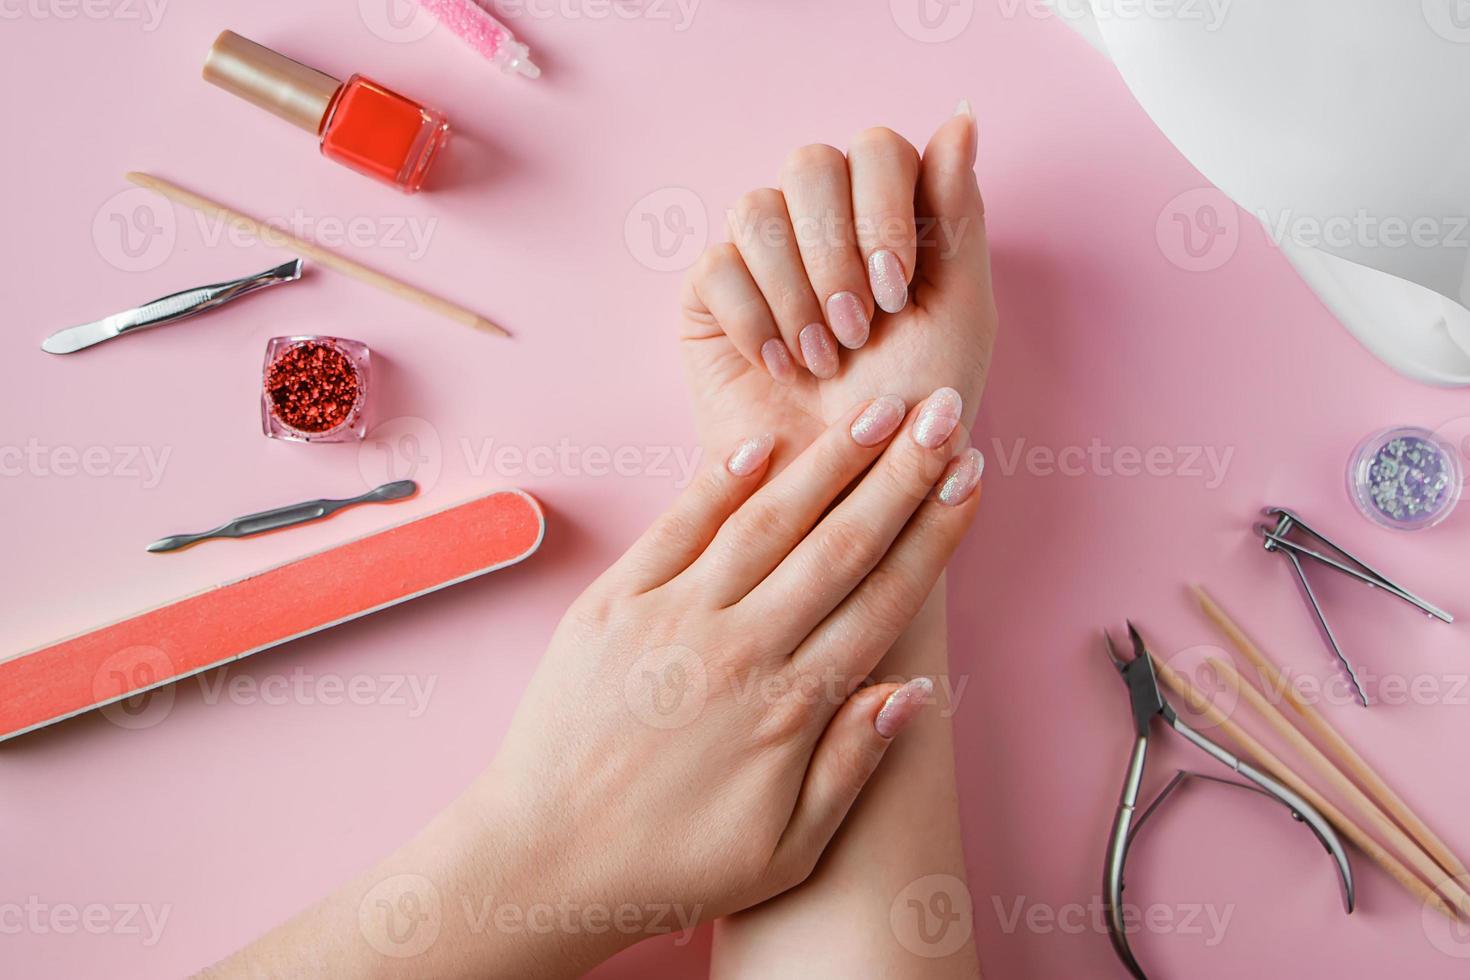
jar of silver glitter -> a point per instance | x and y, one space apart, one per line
1405 478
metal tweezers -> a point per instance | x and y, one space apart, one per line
1277 538
1147 701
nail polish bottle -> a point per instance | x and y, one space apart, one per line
361 124
315 389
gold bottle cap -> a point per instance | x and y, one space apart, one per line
289 89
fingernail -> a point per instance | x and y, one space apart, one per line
885 274
878 421
903 706
937 418
849 319
750 454
965 109
819 350
961 477
778 361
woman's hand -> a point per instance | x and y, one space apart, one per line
692 736
862 274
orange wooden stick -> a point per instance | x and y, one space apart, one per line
1356 765
1266 760
278 238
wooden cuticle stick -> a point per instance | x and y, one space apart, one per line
277 238
1263 758
1356 765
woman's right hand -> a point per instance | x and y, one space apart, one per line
692 738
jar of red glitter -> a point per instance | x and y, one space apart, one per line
315 389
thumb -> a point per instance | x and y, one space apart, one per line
846 755
948 202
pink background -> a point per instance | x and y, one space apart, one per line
233 810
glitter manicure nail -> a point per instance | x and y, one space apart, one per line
750 454
878 421
903 706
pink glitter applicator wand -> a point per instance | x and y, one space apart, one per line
477 28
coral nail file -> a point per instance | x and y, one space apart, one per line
266 609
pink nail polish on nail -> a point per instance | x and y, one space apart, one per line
961 478
849 319
778 361
903 706
750 454
938 418
878 421
885 275
819 350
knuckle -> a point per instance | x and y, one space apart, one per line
813 158
759 201
880 141
759 522
891 597
716 259
846 549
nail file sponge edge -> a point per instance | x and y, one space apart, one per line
266 609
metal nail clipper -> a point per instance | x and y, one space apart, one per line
1316 547
1148 702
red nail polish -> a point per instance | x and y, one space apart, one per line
361 124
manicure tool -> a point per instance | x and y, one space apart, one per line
168 309
263 609
289 516
1277 539
1148 702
